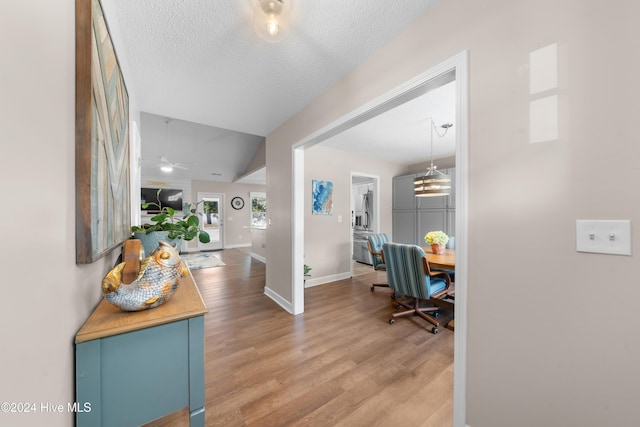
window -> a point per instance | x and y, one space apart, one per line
211 217
259 210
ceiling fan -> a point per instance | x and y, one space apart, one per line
166 165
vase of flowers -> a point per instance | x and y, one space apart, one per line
437 240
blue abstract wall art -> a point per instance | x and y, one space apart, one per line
322 197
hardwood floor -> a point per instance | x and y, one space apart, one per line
340 363
359 269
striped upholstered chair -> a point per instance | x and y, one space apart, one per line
375 242
413 282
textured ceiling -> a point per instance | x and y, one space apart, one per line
200 60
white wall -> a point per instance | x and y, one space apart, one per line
328 241
237 231
548 345
46 297
259 244
551 336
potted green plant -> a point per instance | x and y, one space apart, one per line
166 226
307 270
437 240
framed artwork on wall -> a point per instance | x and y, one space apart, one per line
103 219
322 197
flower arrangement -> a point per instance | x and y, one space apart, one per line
436 238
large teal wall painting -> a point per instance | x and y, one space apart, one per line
322 196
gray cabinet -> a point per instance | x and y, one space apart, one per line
413 217
430 220
404 226
403 198
451 222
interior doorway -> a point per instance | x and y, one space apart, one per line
211 213
458 65
365 214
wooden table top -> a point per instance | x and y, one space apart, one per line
446 261
107 319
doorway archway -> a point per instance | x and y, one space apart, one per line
457 67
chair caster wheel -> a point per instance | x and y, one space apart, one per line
434 330
392 321
373 288
436 314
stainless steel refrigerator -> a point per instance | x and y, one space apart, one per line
367 210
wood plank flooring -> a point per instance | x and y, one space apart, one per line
340 363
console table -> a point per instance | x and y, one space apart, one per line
135 367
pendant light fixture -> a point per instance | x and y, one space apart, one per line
434 183
271 19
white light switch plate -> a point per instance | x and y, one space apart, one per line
604 236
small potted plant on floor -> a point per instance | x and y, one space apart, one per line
437 240
307 270
168 227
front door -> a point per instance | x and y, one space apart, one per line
211 219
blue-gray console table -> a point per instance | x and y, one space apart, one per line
135 367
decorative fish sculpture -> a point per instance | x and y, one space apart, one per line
159 277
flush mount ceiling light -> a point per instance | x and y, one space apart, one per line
271 19
434 183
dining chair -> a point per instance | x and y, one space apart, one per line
374 243
413 282
451 244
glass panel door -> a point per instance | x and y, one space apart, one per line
211 219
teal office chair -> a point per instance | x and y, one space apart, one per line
374 243
410 277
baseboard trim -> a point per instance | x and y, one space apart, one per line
237 245
259 258
326 279
278 299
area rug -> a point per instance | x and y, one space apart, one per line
197 261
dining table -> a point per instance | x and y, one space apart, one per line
445 261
